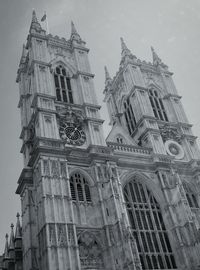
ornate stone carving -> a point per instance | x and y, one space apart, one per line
50 143
52 234
70 231
112 236
55 168
99 171
35 259
48 118
69 114
169 132
90 251
170 180
42 68
62 238
37 173
46 169
63 168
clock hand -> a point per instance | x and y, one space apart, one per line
72 133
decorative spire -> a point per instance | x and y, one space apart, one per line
73 29
18 231
108 79
6 254
74 34
107 75
125 50
23 57
156 59
34 17
35 25
24 50
12 238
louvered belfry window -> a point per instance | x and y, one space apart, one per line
157 105
129 116
148 227
62 85
80 190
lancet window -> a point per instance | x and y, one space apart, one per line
80 190
62 85
148 227
129 116
119 139
157 105
191 197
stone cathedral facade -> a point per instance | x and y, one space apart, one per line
128 202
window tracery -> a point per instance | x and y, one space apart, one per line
80 190
129 116
148 227
157 105
62 85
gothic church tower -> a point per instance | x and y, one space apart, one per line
158 162
128 202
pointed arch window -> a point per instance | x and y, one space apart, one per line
62 85
191 197
129 116
157 105
80 190
120 139
148 227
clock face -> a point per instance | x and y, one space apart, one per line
72 134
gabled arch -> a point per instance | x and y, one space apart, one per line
84 173
154 85
119 129
143 178
66 64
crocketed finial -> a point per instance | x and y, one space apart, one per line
74 34
18 231
124 49
12 238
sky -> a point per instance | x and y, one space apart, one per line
171 27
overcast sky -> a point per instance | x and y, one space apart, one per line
171 26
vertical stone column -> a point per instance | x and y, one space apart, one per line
181 216
71 211
98 174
